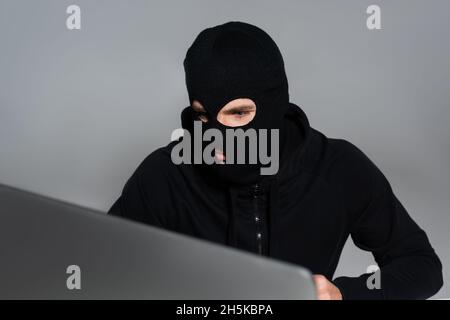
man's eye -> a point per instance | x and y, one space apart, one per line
241 113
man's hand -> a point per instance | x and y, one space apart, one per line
326 290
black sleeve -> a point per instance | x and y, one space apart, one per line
144 195
409 267
133 204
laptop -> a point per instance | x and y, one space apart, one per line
50 249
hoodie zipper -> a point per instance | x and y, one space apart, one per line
257 218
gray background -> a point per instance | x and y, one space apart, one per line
80 109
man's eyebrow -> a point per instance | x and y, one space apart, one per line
244 107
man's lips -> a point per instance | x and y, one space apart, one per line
220 157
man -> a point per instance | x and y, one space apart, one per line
323 190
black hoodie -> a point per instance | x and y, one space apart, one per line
326 190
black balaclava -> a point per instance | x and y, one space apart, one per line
230 61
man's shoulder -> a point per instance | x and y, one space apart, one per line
352 166
344 150
331 149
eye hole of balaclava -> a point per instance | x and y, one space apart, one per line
236 113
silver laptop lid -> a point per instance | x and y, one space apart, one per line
54 250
